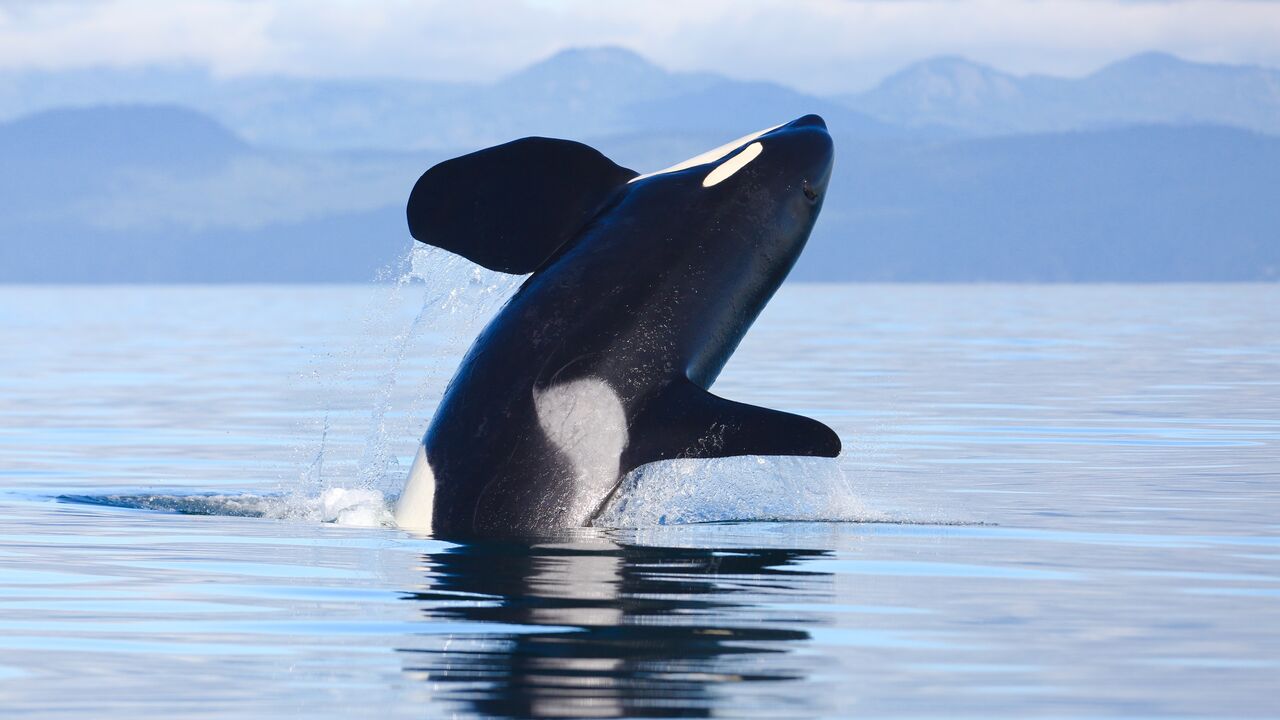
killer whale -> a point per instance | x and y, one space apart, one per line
641 288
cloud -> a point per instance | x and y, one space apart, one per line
819 45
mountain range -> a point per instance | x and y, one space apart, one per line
1152 88
1150 169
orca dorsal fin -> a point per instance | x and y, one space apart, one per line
687 421
510 207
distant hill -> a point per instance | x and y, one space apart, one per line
158 193
601 92
111 135
145 193
580 93
963 96
1145 203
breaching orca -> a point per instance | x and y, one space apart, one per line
641 288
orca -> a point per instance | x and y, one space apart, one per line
640 288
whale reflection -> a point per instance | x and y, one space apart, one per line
592 627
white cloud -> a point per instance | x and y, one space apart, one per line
822 45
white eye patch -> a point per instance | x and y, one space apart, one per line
707 157
726 169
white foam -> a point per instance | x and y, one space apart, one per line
352 507
674 492
358 507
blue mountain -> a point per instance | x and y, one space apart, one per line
590 93
580 93
146 193
1141 203
1152 88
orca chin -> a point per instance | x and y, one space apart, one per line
640 289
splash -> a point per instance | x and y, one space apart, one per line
340 506
453 299
674 492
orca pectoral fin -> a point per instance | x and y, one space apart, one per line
687 421
510 207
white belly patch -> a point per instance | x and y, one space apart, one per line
585 420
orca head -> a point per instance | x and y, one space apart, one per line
777 176
788 166
741 214
804 141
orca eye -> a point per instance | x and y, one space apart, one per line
809 192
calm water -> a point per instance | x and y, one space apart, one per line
1058 502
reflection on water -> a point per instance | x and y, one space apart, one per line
588 627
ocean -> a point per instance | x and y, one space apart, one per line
1053 501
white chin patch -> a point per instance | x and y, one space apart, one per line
727 168
585 420
709 156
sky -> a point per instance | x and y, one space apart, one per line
824 46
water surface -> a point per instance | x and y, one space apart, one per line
1059 501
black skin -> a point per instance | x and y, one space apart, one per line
651 296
